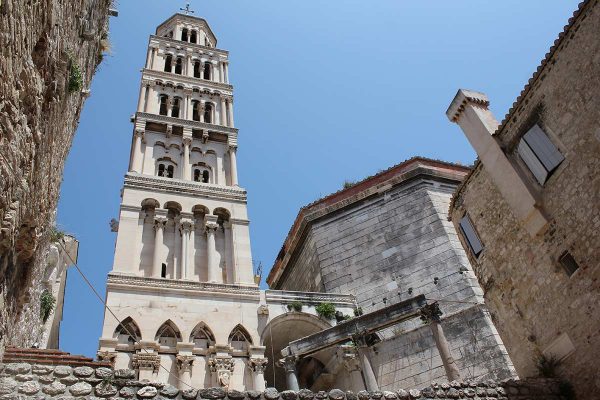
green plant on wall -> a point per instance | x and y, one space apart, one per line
547 366
75 76
56 235
295 305
325 310
47 302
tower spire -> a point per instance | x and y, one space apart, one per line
187 9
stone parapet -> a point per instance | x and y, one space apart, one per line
23 380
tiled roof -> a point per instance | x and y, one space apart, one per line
49 357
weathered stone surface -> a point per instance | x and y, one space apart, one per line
124 374
321 394
212 393
45 379
92 380
17 368
389 395
351 395
104 373
42 369
29 388
253 394
7 385
453 393
169 391
428 392
271 394
288 395
62 371
128 393
105 389
235 394
363 395
54 388
305 394
69 380
189 394
24 377
147 392
336 394
81 389
83 372
414 393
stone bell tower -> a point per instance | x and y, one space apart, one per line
182 282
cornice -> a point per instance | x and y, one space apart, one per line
138 283
462 98
186 123
152 74
286 296
178 43
157 183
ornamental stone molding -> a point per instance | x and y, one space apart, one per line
160 222
109 356
196 46
223 366
146 361
211 227
185 362
165 119
152 75
258 365
187 141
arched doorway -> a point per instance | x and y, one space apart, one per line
282 330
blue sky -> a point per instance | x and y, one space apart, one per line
326 91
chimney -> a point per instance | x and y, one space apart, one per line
470 111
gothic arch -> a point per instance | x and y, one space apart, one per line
202 336
239 338
168 334
128 332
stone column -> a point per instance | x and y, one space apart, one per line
152 58
216 72
137 156
187 228
258 366
189 67
226 69
365 363
230 250
187 169
230 112
147 360
149 57
350 359
176 243
184 365
431 313
223 112
157 260
289 365
142 98
211 252
201 111
233 165
221 73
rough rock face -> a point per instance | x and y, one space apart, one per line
117 388
49 51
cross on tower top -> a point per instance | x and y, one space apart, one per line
187 9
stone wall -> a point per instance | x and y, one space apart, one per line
23 381
43 44
392 246
538 308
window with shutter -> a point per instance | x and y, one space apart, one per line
469 233
539 153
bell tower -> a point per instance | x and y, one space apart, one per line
182 283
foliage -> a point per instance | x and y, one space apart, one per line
566 390
75 77
547 366
47 302
358 311
295 305
325 310
348 184
56 235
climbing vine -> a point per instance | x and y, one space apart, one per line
47 302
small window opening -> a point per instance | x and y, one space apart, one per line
540 155
179 66
163 105
568 263
206 42
469 233
205 176
196 110
163 271
197 69
161 169
196 175
171 34
184 34
208 113
168 63
175 109
170 171
207 70
194 37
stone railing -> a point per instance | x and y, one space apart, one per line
22 381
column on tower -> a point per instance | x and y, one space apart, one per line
230 252
233 165
215 71
221 72
230 111
137 154
157 256
223 111
187 243
187 142
211 227
176 245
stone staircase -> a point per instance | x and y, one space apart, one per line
49 357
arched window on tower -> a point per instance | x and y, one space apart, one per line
205 176
165 168
206 42
208 113
163 271
163 99
202 336
179 66
168 63
128 332
176 107
194 37
207 71
184 35
195 110
197 69
201 173
240 339
168 334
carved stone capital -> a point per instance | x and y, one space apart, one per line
431 313
288 363
187 141
184 363
223 367
139 132
232 148
146 361
109 356
160 223
187 226
211 227
258 365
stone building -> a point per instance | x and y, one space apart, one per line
187 304
49 51
529 212
386 240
